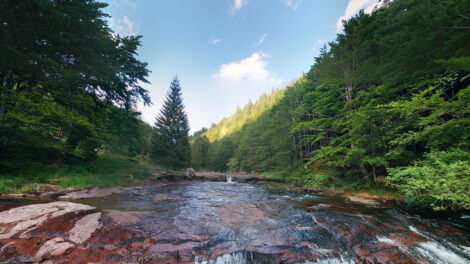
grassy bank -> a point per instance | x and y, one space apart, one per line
342 185
106 171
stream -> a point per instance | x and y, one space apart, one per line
230 222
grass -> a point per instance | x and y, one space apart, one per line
106 171
330 181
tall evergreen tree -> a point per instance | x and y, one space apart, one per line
170 143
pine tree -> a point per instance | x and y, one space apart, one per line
170 143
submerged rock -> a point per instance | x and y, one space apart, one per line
92 193
163 197
125 218
237 213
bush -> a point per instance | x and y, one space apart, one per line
441 180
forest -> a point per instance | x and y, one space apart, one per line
68 90
385 105
387 100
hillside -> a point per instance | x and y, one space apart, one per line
248 113
381 100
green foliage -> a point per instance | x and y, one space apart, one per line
105 171
441 179
66 81
200 153
387 91
250 112
170 140
316 179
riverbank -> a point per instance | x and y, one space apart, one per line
105 171
111 173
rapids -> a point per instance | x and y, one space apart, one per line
230 222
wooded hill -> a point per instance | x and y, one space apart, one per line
390 96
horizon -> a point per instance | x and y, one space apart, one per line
229 52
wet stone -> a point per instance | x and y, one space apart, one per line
219 222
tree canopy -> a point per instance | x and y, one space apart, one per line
66 79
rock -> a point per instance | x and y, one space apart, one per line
27 218
53 248
125 218
92 193
210 176
84 228
4 247
238 213
190 173
362 200
163 197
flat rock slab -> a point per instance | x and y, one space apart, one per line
84 228
27 218
92 193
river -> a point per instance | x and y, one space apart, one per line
230 222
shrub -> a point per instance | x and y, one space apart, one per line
441 180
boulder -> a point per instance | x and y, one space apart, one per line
190 173
53 248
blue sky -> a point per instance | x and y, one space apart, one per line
227 52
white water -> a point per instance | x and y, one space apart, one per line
439 254
234 258
229 178
386 240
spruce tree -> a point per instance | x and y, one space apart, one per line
170 143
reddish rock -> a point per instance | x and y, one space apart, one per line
127 217
237 213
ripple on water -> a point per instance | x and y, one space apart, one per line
216 223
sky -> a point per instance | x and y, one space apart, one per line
226 52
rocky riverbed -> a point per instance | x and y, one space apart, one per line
221 222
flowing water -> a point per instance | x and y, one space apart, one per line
230 222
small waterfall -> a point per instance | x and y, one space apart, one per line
229 178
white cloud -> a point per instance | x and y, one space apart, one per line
238 4
126 27
251 68
321 41
214 41
262 38
354 6
129 3
294 4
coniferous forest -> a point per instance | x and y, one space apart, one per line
385 105
389 97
